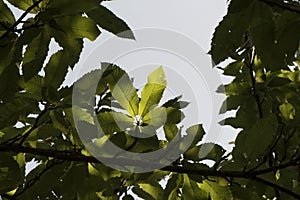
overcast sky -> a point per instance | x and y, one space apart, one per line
192 23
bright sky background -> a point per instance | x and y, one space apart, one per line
195 20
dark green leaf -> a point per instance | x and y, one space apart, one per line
110 22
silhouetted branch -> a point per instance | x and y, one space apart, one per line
11 29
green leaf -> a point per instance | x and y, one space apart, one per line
77 27
80 114
122 89
156 117
111 122
153 91
154 190
110 22
172 189
11 111
206 151
72 46
216 191
171 130
59 121
196 132
287 111
35 55
6 15
175 103
34 87
56 70
10 173
174 115
228 36
24 5
191 190
261 135
68 7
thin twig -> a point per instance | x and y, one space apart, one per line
278 187
27 11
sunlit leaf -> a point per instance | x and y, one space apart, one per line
153 91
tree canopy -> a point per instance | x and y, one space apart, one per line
41 120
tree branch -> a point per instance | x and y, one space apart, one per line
286 6
278 187
78 157
20 19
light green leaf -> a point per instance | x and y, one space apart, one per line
191 190
153 91
216 191
111 122
154 190
156 117
287 111
122 89
110 22
80 114
173 186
